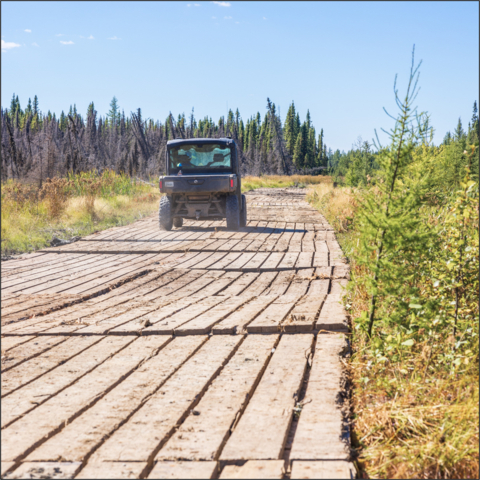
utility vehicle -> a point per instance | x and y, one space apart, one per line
202 182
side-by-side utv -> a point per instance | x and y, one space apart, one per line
202 183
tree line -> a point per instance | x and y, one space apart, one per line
358 166
36 146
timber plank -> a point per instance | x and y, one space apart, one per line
205 431
322 470
27 398
174 286
308 240
320 259
168 325
6 466
77 440
15 377
338 286
256 261
22 353
300 282
262 430
240 261
226 260
289 260
204 322
160 313
270 319
32 429
32 280
281 283
322 432
262 283
207 277
219 284
239 285
305 260
284 240
112 470
302 317
333 316
45 470
215 258
148 428
272 261
237 321
252 469
295 244
318 287
184 470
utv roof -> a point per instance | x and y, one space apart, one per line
180 141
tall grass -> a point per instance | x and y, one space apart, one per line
282 181
69 207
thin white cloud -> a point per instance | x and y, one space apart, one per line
60 35
264 18
227 18
28 30
237 22
196 4
91 37
34 44
223 4
8 45
214 18
189 4
69 42
114 38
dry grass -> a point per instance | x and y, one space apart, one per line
410 423
67 208
282 181
337 204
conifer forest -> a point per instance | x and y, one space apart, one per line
37 145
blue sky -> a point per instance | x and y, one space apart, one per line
337 59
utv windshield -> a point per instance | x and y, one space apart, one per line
206 158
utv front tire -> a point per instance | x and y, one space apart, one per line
177 222
243 214
165 214
232 213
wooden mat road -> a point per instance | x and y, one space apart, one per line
195 353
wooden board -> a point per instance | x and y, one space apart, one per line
261 432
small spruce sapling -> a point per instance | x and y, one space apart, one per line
390 227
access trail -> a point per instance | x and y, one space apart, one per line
193 353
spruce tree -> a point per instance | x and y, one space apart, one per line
320 157
459 133
113 114
390 228
13 106
90 109
36 111
289 130
298 156
28 110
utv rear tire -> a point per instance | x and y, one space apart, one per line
165 214
177 222
243 214
232 213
